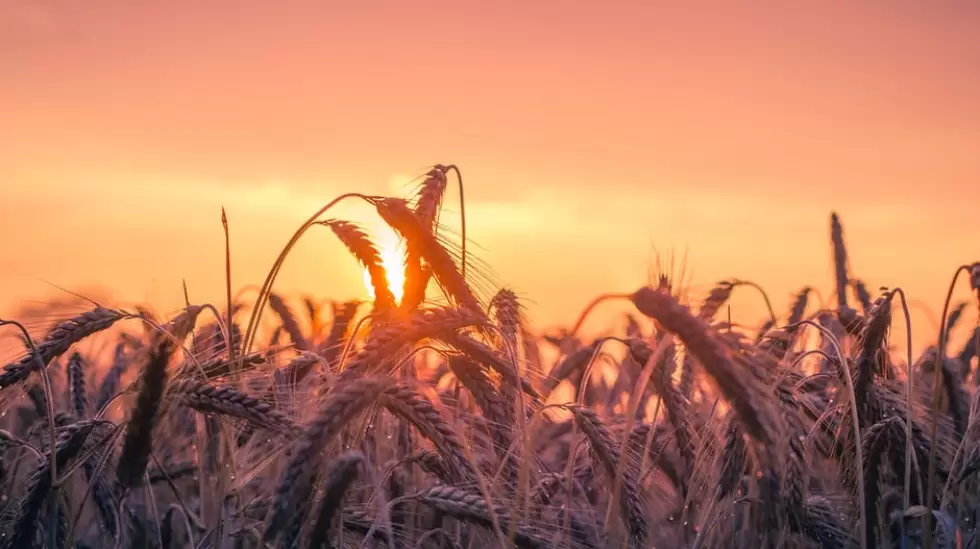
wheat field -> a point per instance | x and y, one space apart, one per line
433 416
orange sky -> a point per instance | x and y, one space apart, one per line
587 133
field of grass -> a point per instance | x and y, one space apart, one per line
433 417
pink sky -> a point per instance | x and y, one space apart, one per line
586 133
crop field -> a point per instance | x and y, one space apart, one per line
433 416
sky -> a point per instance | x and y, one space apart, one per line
588 134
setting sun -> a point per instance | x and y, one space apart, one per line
392 251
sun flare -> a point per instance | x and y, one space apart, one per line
392 251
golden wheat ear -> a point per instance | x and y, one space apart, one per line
403 220
428 203
739 387
359 244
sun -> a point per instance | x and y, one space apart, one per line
391 248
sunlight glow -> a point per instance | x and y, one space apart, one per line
392 250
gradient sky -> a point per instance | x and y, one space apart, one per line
588 133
